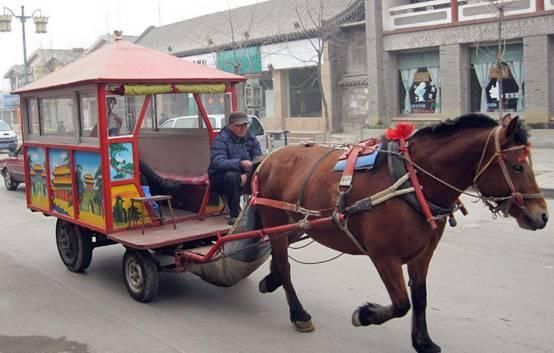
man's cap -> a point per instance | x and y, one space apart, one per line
238 118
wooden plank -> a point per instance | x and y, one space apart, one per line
160 236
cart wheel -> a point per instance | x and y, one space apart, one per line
9 182
74 246
141 274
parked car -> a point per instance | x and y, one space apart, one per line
8 137
13 169
218 122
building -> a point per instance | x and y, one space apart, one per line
276 44
430 60
40 63
61 183
384 61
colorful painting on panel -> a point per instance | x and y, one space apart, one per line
60 182
121 161
88 174
36 164
121 206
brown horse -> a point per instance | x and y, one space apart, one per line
472 150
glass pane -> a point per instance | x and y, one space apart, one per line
305 93
123 114
57 116
186 122
32 116
255 127
89 116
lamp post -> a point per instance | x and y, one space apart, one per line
40 27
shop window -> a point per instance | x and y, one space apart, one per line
419 90
32 116
57 116
485 79
304 93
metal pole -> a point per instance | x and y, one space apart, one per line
23 19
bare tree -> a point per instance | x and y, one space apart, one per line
313 26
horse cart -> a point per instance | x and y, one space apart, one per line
97 160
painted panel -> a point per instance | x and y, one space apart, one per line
121 161
61 182
121 206
88 174
36 162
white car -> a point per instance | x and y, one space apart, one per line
218 122
8 137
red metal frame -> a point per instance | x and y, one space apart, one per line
204 114
74 191
27 177
184 256
105 156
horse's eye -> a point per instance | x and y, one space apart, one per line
518 168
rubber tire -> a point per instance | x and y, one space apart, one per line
74 246
141 275
9 182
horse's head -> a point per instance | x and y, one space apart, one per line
506 179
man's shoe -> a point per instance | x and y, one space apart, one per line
231 220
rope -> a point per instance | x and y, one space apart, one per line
316 262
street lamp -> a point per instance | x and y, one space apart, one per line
6 26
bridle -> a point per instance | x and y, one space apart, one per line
503 203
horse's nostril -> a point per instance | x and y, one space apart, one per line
545 217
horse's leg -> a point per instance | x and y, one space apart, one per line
300 318
393 278
417 270
272 281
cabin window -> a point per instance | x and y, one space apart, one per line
89 116
123 114
57 116
32 116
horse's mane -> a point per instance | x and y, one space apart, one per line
470 121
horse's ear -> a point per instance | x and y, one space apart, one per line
506 120
512 128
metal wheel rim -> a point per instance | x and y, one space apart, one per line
7 179
134 274
66 246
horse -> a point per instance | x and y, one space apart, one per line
472 150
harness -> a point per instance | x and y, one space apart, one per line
503 203
405 184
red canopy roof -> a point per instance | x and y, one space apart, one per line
125 62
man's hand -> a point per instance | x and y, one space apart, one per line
246 165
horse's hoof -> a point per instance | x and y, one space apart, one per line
303 326
356 318
428 347
262 286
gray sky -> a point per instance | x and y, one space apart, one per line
78 23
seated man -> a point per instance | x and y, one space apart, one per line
232 154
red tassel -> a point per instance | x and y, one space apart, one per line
402 131
524 153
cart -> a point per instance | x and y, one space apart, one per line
97 160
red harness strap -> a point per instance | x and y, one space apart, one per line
415 182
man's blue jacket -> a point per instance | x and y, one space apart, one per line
227 151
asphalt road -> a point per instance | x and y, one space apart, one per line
490 290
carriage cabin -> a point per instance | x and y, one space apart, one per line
93 141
